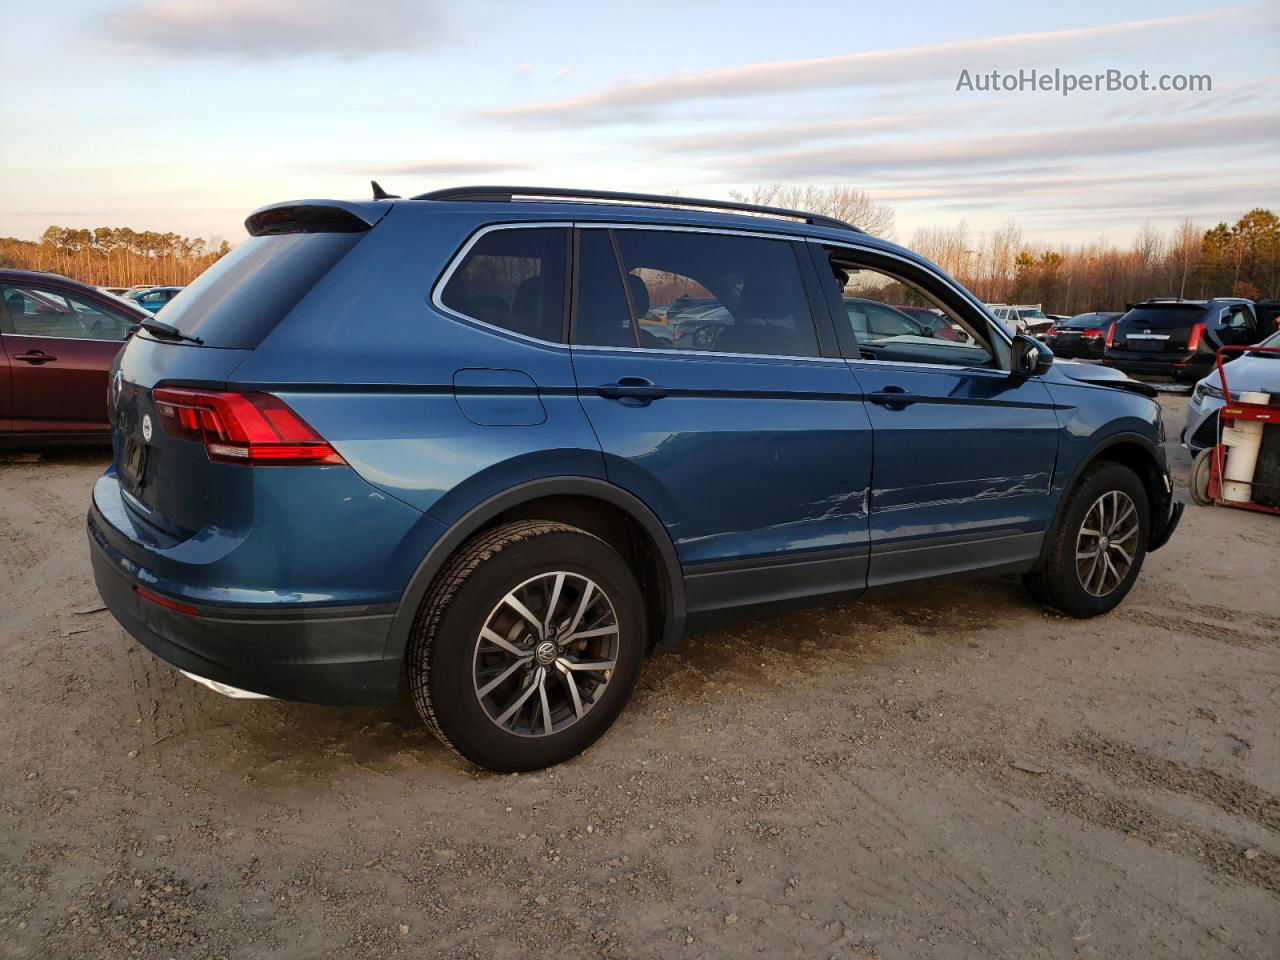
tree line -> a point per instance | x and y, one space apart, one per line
1241 259
1228 260
114 256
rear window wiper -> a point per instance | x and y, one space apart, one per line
169 332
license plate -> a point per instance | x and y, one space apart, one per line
1147 346
135 461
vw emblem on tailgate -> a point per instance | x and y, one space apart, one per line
146 427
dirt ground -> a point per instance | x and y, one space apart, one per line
950 772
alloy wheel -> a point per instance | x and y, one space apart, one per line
545 654
1107 543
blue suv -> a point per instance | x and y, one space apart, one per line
433 448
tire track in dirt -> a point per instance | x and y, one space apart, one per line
1254 618
1222 632
1128 764
18 555
1070 795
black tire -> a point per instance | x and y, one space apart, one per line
443 651
1057 583
1198 481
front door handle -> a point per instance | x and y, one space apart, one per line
35 356
632 391
893 397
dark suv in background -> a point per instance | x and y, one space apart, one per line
1178 338
427 446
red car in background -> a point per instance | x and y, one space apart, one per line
57 341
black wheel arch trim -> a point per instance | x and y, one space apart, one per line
478 516
1165 511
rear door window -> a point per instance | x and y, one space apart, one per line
697 291
515 279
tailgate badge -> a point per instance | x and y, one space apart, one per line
146 427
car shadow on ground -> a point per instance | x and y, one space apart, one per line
281 742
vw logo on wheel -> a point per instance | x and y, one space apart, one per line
146 427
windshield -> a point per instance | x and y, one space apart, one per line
1271 341
1032 315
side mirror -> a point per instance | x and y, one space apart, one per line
1030 357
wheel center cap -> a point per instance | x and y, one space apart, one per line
1104 543
545 652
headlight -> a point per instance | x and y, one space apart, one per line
1204 389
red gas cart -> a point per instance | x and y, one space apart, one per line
1211 472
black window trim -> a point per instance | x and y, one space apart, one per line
436 296
825 328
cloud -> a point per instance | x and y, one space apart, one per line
858 160
424 168
637 99
273 29
752 138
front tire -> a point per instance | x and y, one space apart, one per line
1098 547
527 646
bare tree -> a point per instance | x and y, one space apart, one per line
844 203
1186 251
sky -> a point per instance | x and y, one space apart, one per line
186 115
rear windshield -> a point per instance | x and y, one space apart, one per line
1163 317
240 299
1086 320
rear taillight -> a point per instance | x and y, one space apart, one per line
1090 334
1194 338
249 428
1111 335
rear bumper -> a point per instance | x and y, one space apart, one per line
332 655
1077 350
1179 367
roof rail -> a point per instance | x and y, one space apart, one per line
507 194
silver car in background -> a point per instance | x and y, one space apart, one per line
1253 371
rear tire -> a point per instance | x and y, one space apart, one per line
527 646
1097 549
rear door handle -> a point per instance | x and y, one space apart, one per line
895 398
636 389
35 356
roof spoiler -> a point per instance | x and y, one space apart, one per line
315 216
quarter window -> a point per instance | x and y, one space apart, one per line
514 279
687 290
